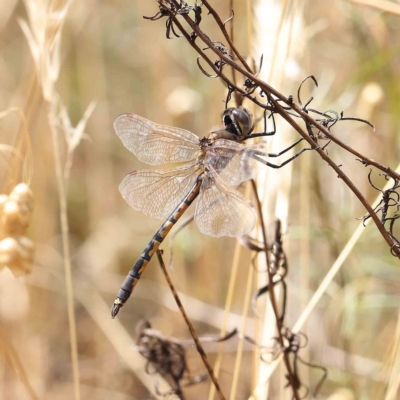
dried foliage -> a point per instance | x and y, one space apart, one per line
172 9
168 356
58 57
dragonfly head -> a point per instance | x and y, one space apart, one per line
238 121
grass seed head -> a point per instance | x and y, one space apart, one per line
16 253
16 250
15 219
23 195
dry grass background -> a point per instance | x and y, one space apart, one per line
109 55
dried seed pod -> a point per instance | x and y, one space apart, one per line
14 219
17 254
8 252
23 195
16 216
11 212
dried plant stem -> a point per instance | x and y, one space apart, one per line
231 33
323 286
249 25
276 41
225 33
283 113
239 353
293 12
192 331
22 164
305 246
272 295
62 196
227 310
269 89
394 381
14 360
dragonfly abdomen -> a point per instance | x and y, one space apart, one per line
136 271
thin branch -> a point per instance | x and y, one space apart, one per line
225 33
267 88
192 331
322 289
280 110
272 295
215 69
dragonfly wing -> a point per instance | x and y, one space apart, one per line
157 193
155 144
234 162
223 211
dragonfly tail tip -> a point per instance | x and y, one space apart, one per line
114 310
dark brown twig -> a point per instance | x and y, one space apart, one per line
266 88
192 331
291 376
269 89
225 33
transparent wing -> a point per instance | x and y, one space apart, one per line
234 161
157 193
155 144
221 210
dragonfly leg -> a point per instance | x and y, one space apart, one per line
265 133
285 162
287 149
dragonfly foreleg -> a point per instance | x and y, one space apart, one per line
265 133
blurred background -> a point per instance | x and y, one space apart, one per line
114 59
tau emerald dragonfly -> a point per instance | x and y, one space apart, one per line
208 170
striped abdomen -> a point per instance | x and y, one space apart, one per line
136 271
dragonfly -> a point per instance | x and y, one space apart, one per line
206 169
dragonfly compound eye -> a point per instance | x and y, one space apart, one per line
237 121
243 120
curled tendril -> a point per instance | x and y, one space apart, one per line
299 89
389 203
218 70
230 18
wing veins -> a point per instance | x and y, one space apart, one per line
164 182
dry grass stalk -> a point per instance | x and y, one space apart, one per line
43 33
274 188
14 360
21 168
239 354
227 310
236 258
394 380
321 289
